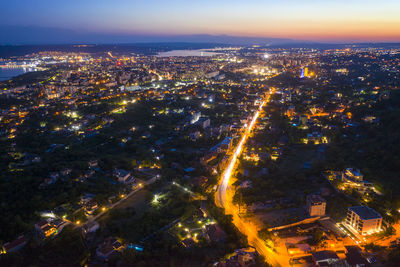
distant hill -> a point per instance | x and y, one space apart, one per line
32 35
139 48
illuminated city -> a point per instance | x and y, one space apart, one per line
221 133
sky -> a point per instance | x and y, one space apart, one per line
313 20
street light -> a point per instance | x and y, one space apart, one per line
156 198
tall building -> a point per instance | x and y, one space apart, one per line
304 72
316 205
364 220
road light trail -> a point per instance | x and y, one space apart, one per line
221 199
228 172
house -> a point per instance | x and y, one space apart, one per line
93 164
246 184
299 249
245 257
315 138
15 245
45 229
195 117
123 176
204 122
325 257
226 143
86 198
90 227
90 206
354 257
109 247
222 146
200 181
215 233
303 119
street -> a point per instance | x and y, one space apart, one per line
223 198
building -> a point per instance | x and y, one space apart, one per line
325 258
45 229
212 74
353 175
354 257
353 178
90 227
316 205
316 138
195 117
109 247
226 143
15 245
204 122
364 220
215 233
303 119
304 72
93 164
245 257
123 176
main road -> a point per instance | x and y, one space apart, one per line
224 196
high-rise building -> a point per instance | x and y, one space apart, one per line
316 205
304 72
364 220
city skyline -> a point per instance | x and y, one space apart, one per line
315 21
218 133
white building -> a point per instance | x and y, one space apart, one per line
364 220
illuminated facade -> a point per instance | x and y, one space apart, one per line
364 220
304 72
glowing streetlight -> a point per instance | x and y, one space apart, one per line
155 199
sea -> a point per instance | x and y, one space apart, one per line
6 74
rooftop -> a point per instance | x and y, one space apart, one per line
315 199
325 255
365 213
